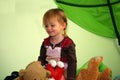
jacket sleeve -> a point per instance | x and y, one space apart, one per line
42 55
71 70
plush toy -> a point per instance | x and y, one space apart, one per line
56 69
92 71
55 66
34 71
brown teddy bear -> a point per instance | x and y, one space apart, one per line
92 72
34 71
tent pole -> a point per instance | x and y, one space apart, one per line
113 21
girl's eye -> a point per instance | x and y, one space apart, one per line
46 26
52 25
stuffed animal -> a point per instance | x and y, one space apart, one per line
34 71
92 72
56 69
55 66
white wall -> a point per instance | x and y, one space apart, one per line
21 34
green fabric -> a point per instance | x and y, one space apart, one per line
94 19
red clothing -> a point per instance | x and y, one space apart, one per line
56 72
68 55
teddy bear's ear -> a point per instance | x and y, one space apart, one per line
22 72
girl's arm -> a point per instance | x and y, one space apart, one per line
71 70
42 56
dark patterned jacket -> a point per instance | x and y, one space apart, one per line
68 55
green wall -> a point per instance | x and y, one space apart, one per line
21 34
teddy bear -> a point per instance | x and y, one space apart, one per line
92 72
34 71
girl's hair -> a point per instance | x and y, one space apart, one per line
57 13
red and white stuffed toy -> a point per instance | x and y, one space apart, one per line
56 69
55 66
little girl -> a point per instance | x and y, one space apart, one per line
55 23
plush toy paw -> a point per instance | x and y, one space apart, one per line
60 64
51 79
52 63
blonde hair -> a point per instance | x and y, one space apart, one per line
57 13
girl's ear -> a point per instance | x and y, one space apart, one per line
64 25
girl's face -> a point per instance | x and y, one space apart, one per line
54 28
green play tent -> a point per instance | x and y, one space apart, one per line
101 17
